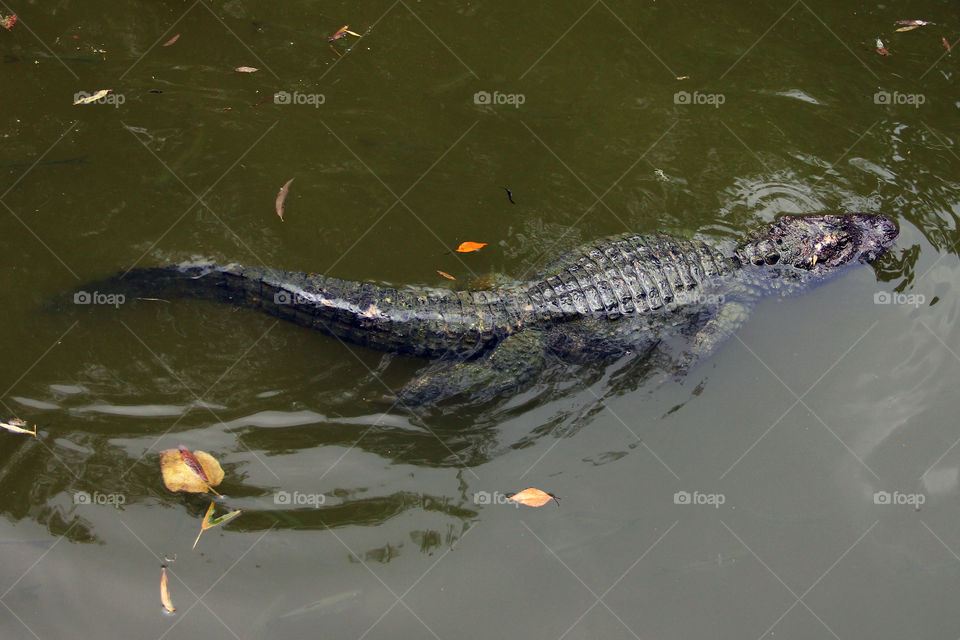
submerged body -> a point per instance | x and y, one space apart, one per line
613 296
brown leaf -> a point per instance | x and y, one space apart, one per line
446 275
178 476
246 69
191 461
341 33
532 497
946 44
171 40
467 247
282 198
164 592
7 22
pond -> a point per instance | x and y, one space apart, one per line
801 482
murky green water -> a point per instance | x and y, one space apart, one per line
745 501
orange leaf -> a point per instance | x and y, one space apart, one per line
946 44
532 497
171 40
164 593
446 275
467 247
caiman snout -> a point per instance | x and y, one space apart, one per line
878 233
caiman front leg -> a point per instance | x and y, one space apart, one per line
513 362
729 317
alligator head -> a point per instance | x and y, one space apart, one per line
819 244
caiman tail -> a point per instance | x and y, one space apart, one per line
423 322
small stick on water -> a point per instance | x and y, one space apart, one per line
509 195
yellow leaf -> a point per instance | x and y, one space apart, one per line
909 28
467 247
164 593
532 497
246 69
16 426
96 96
178 476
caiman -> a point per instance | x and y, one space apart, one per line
614 296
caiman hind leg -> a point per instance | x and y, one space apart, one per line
729 317
512 363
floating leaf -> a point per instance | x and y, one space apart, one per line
210 523
446 275
179 475
341 33
96 96
246 69
467 247
532 497
282 198
164 592
191 461
882 50
16 425
946 44
683 77
913 23
171 40
7 22
910 28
